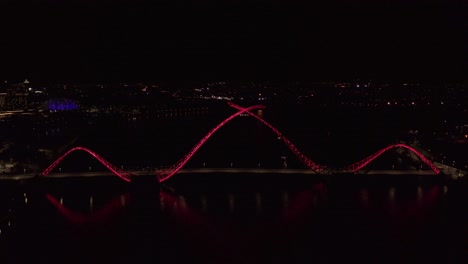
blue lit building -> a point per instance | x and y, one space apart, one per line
61 105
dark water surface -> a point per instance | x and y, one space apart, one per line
235 219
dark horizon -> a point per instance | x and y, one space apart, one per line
259 40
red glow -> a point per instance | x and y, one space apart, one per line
121 174
361 164
97 216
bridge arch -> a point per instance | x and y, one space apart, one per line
117 172
302 157
362 163
165 174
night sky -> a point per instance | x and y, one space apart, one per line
237 40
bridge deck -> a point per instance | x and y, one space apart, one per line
215 170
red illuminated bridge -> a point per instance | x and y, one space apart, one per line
167 173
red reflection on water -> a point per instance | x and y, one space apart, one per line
364 198
195 227
179 209
303 202
433 194
224 237
99 215
425 198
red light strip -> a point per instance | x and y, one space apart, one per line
168 173
361 164
306 160
121 174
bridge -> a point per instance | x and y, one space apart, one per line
313 167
